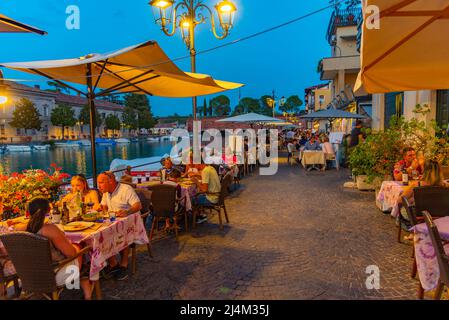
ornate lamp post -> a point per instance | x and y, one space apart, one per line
186 15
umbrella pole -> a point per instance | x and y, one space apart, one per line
92 112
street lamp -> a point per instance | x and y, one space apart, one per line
186 15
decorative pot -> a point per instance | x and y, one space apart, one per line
364 185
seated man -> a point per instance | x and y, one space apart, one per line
312 145
409 163
211 186
291 149
123 200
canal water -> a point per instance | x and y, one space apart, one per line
78 160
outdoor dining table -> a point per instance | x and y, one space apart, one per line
388 196
106 239
312 158
426 261
188 191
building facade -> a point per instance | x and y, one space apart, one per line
45 102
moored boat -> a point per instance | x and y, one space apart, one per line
43 147
18 148
122 141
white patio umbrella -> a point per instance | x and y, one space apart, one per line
251 118
8 25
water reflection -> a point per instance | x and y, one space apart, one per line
78 160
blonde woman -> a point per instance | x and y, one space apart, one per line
79 184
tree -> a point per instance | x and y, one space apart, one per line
247 105
57 87
64 116
129 118
112 122
146 120
138 102
221 105
265 107
26 116
292 105
84 117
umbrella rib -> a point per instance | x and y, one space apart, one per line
124 86
127 81
119 85
388 11
59 82
100 75
22 26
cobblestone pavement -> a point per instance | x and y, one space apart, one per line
295 235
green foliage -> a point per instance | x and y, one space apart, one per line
129 118
63 116
26 116
221 106
381 150
138 102
146 120
247 105
112 122
292 105
84 117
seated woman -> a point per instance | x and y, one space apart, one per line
432 176
60 246
79 184
192 169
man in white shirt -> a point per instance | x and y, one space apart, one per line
291 148
123 200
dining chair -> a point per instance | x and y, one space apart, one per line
442 257
220 205
163 201
31 256
145 199
6 278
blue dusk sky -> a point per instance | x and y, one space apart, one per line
285 59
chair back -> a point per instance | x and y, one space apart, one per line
145 198
31 257
433 199
163 200
442 258
410 211
225 184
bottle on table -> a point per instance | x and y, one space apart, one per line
65 214
404 177
80 206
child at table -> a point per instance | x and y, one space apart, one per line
60 246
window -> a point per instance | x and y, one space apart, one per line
443 108
2 129
321 100
46 129
18 131
394 106
45 109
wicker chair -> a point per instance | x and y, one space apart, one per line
442 258
5 280
163 201
434 200
31 257
145 199
225 184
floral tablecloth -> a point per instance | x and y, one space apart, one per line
110 239
388 196
426 260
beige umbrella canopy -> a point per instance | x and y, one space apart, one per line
8 25
410 49
143 68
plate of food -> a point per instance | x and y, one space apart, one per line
77 226
90 217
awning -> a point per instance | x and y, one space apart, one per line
143 68
251 118
410 49
8 25
330 114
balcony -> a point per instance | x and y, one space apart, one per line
342 18
329 67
